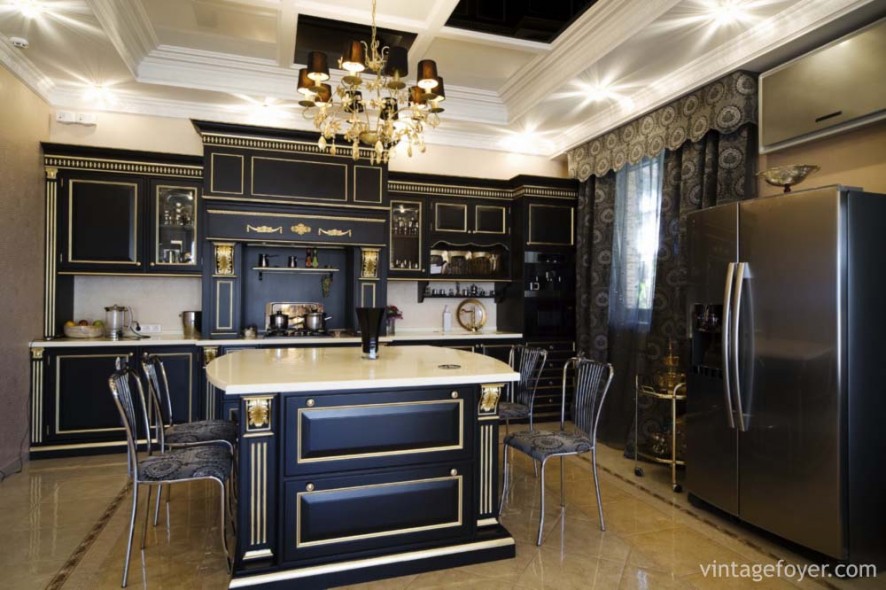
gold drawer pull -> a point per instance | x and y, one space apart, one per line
310 487
310 403
454 395
453 472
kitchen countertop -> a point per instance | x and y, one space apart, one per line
180 340
274 370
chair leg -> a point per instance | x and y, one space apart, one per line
157 504
562 486
597 487
224 523
131 532
504 483
147 515
541 511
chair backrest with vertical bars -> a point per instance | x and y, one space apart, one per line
158 389
131 408
529 362
591 380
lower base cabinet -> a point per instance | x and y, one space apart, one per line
73 411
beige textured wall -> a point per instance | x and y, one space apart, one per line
854 158
24 122
178 136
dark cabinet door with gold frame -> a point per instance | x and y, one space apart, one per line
173 228
550 224
407 254
100 223
467 221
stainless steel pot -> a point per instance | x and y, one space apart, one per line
279 320
315 321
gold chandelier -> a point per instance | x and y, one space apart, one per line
379 112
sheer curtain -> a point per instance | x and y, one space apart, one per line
635 242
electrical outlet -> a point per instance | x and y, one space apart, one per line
149 329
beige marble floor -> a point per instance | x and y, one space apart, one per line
654 539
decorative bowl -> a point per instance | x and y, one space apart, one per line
84 331
787 176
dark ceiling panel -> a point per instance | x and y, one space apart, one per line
331 36
533 20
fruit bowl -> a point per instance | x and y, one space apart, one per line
84 331
787 176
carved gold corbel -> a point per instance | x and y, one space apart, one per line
369 263
490 393
224 259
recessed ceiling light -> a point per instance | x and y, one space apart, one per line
727 12
100 94
29 8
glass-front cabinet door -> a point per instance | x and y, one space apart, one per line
406 238
174 236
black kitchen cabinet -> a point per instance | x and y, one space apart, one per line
467 221
549 224
407 256
72 406
173 227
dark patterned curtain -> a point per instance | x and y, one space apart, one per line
710 138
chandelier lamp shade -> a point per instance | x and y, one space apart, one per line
372 104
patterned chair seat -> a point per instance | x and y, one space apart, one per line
512 411
186 463
540 444
201 431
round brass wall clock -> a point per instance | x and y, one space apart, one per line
471 315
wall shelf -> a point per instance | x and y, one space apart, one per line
287 270
498 294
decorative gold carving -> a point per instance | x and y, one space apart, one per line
300 229
258 413
36 353
489 396
264 229
335 233
224 259
210 353
369 264
51 172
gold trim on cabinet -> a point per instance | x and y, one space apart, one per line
37 353
218 324
369 263
437 217
300 229
490 393
344 566
257 554
431 527
529 241
210 197
363 286
71 222
58 391
487 478
258 413
210 353
504 219
487 522
258 496
299 197
194 222
124 166
212 172
37 397
421 221
381 191
224 259
265 144
51 172
264 229
51 257
335 233
294 215
455 447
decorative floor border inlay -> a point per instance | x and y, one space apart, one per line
59 579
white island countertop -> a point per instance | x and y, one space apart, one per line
273 370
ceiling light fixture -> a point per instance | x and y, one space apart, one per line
727 12
29 8
379 112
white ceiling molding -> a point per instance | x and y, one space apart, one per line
456 34
287 23
792 23
128 28
13 59
474 105
362 16
436 20
599 31
221 72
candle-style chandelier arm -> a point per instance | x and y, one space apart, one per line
379 111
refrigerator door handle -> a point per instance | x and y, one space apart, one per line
740 274
727 313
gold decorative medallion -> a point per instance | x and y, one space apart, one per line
300 229
37 353
264 229
369 263
224 259
489 396
209 354
335 233
258 413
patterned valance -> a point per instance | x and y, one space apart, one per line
724 105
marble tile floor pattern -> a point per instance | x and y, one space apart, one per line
654 538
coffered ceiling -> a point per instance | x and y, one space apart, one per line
235 60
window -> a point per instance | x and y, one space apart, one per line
635 242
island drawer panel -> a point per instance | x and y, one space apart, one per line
378 429
333 515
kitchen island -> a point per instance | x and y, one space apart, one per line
353 470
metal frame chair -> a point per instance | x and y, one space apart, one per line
592 380
205 462
529 362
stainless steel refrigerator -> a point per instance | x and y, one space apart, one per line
786 405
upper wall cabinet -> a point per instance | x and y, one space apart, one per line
122 212
264 165
466 220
